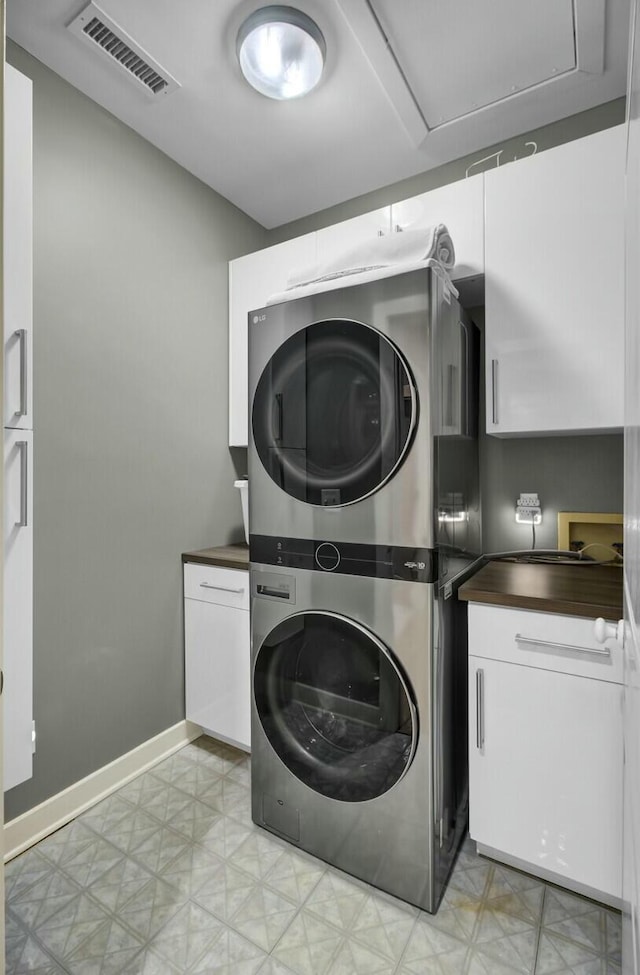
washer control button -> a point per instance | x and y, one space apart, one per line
327 556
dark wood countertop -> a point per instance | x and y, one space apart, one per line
227 556
575 590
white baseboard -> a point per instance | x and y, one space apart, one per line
25 830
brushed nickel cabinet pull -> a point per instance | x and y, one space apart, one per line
480 709
531 641
22 336
494 390
23 447
207 585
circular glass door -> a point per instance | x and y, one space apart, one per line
333 413
334 706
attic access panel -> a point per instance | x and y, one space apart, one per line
459 56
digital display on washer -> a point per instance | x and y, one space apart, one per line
335 706
346 558
334 412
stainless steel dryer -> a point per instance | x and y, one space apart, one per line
348 390
358 711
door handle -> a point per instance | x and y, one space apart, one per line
22 336
479 709
277 436
23 447
494 390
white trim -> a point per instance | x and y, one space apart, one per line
25 830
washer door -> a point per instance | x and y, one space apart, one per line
335 706
333 413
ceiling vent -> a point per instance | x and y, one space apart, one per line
93 26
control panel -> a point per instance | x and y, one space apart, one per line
346 558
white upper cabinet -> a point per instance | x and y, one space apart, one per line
331 241
253 279
458 205
18 234
554 251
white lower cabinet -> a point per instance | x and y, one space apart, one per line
545 748
217 652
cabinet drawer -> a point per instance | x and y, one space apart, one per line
548 641
214 584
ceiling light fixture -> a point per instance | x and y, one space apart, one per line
281 52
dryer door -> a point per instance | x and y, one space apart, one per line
335 706
334 412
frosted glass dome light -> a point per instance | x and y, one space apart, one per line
281 52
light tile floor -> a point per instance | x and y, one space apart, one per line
169 876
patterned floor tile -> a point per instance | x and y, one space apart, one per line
426 941
241 774
263 917
215 754
148 962
23 953
119 884
224 835
67 843
89 864
165 803
172 768
308 945
517 951
294 875
613 936
354 958
556 954
38 903
150 908
230 954
106 815
447 963
273 967
480 964
71 926
25 870
160 849
191 870
132 831
336 900
195 820
228 797
257 854
384 925
516 893
225 891
106 952
587 929
186 938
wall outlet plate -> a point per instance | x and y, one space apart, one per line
528 500
528 515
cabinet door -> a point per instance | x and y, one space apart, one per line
218 682
554 289
252 281
460 206
332 241
18 233
545 770
18 606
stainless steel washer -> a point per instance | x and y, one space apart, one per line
358 743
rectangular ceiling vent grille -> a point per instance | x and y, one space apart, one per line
93 26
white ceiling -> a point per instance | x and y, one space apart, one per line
408 85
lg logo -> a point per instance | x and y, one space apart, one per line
259 318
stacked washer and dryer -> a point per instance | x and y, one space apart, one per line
365 516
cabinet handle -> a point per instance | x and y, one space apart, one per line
23 447
22 336
530 641
480 709
398 229
207 585
494 390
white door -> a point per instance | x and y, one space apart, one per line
631 843
534 800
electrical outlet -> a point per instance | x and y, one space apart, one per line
528 501
528 515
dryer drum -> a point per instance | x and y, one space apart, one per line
335 706
334 413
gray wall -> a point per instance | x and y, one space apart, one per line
130 403
575 127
